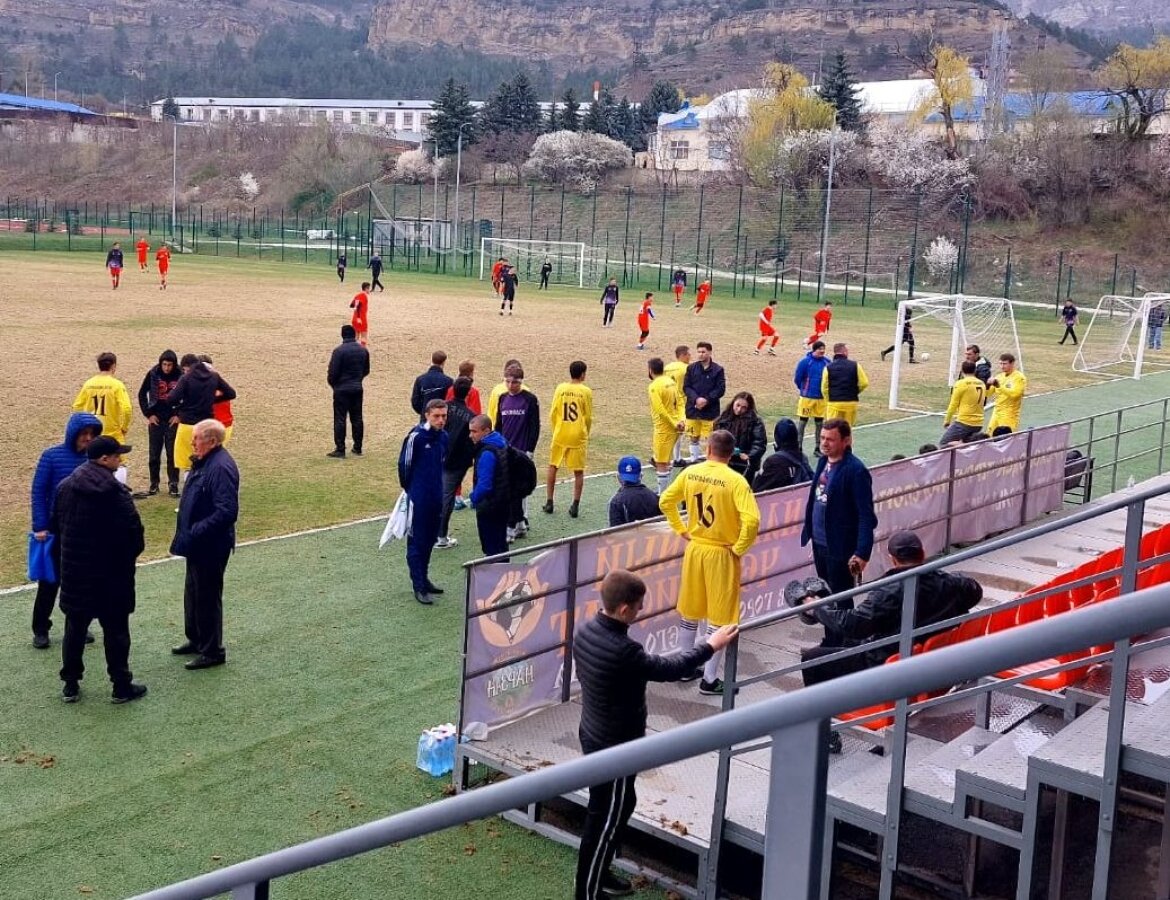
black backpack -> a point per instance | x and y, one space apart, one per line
521 474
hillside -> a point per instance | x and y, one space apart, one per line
131 54
1099 15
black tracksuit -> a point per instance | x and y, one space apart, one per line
430 385
613 670
348 366
154 399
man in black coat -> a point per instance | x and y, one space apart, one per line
101 538
704 384
154 399
633 502
613 670
348 367
460 455
430 385
940 596
206 535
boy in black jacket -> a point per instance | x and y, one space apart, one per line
613 670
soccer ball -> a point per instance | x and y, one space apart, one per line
925 357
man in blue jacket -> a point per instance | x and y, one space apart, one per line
811 404
420 472
704 384
55 465
206 535
489 496
839 517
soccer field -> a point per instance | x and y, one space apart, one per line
270 329
333 669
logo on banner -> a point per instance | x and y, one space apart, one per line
515 617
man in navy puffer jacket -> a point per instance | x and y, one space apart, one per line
55 465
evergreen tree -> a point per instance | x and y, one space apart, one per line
512 107
452 109
170 108
627 126
602 116
569 117
839 89
552 123
662 98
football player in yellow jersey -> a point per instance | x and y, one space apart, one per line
722 522
571 419
964 416
107 398
1007 390
668 417
678 371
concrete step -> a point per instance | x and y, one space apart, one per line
930 785
999 774
861 800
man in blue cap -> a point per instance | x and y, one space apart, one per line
633 501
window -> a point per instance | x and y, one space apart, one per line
680 149
206 115
238 114
303 115
652 142
407 121
355 118
321 115
422 121
718 150
255 115
187 112
223 113
338 116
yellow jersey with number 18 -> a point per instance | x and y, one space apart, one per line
571 416
721 508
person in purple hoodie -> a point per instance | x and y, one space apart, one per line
519 423
55 465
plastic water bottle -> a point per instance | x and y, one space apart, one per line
436 750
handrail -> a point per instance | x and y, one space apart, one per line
1135 613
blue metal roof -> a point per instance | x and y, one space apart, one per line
1091 104
19 101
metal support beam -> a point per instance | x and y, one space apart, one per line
793 835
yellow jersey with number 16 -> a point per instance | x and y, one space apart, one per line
721 508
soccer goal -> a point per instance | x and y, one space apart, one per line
943 327
1119 341
571 263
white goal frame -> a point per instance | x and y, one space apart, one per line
950 308
574 250
1137 312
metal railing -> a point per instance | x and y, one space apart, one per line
797 727
796 723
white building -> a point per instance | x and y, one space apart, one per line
403 119
699 138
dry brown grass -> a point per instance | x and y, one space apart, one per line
270 330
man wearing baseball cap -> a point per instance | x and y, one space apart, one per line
633 501
101 538
940 596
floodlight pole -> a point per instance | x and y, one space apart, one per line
458 172
174 170
828 206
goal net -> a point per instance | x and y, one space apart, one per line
1119 340
943 328
572 263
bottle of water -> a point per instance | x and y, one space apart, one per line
426 752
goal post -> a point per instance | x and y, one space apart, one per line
944 326
1115 341
571 264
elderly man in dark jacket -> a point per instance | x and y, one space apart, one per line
940 596
206 535
101 538
348 367
614 670
839 519
55 465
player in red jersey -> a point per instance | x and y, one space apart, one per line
767 329
360 304
163 258
143 248
645 314
821 319
701 296
498 273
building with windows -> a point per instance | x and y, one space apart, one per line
405 120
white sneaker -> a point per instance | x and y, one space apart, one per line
445 543
511 535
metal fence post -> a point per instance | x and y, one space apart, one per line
1059 277
1162 439
865 262
1116 452
795 824
699 234
257 891
708 881
1027 475
911 266
950 497
570 623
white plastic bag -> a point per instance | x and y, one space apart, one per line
398 524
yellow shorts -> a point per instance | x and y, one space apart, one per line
810 409
663 444
710 584
571 458
1012 422
700 429
846 411
184 446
